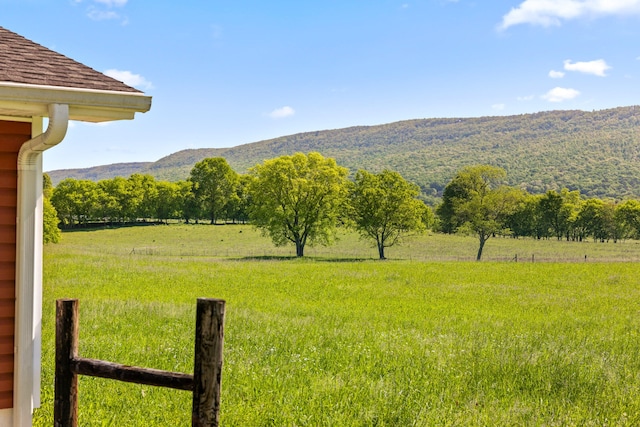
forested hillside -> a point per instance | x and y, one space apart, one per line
99 172
597 153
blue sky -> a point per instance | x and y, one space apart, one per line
225 73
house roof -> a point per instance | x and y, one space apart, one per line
33 77
23 61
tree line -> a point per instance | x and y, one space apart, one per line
304 198
299 199
477 201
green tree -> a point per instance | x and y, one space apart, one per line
297 198
384 207
620 227
237 206
524 221
143 195
482 205
552 215
167 201
558 213
76 201
213 183
614 227
628 212
571 204
456 190
187 205
109 208
47 186
116 203
51 231
597 218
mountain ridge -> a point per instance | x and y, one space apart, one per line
596 152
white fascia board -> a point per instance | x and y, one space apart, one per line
22 100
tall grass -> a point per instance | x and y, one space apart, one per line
340 341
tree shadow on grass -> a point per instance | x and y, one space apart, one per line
93 226
267 258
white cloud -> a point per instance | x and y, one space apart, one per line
526 98
111 3
128 78
597 67
107 3
498 107
281 113
552 12
556 74
102 15
559 94
102 10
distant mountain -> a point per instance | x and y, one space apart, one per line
595 152
97 173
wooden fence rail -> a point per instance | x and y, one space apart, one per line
204 383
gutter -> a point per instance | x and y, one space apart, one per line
56 130
28 348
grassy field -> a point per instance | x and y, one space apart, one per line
340 339
242 241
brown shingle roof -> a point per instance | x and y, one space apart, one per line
23 61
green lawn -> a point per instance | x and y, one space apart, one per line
340 339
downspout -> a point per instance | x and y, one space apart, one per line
26 384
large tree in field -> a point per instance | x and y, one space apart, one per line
213 183
384 207
297 199
481 205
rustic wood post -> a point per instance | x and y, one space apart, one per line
66 381
204 383
207 370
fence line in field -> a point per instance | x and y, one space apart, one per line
360 255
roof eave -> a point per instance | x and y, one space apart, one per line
24 100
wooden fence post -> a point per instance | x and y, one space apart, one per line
205 382
66 382
207 370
